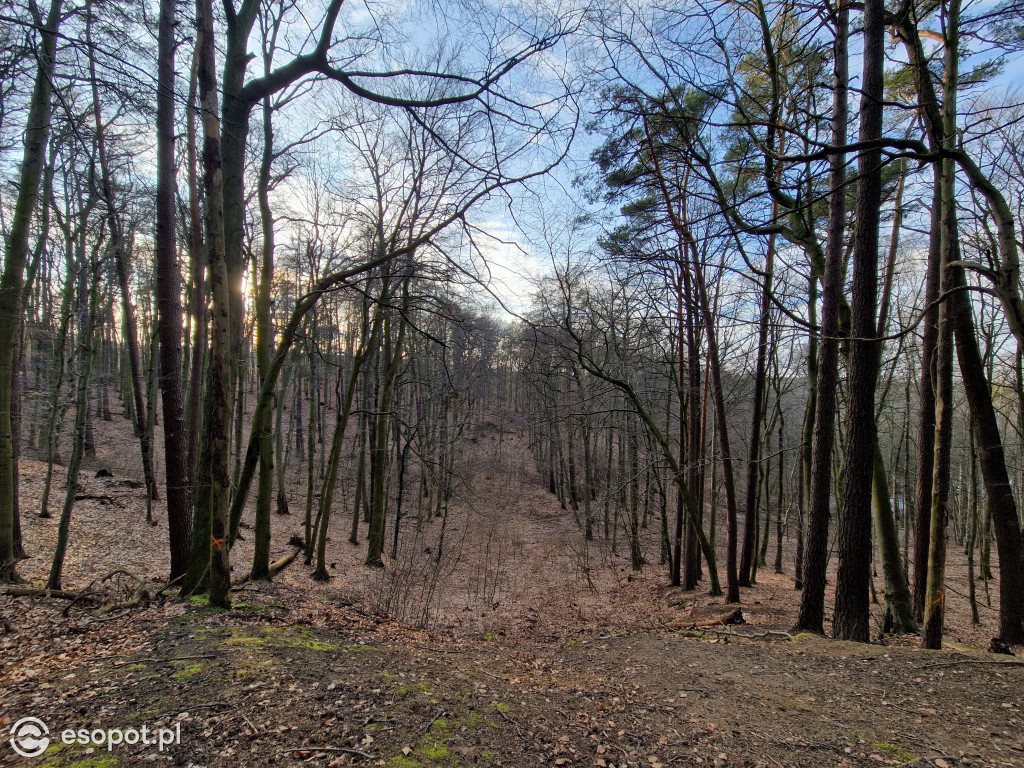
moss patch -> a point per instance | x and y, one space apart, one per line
189 671
281 637
895 751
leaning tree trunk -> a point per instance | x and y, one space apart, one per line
86 353
1001 508
718 397
371 332
37 132
121 269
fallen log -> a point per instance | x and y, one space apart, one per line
24 591
275 567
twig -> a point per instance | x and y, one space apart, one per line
937 665
248 722
164 661
344 750
437 717
115 617
168 585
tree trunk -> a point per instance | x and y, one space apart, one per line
851 620
817 483
212 481
264 342
86 353
746 577
37 133
121 269
168 282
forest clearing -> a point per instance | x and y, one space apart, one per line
416 383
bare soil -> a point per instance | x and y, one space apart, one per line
521 644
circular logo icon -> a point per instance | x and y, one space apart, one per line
29 737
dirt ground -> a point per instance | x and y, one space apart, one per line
521 645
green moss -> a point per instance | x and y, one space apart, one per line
500 706
432 752
54 748
188 671
895 751
281 637
200 599
136 667
316 645
364 647
107 761
401 761
95 762
405 690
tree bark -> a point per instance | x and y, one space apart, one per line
851 620
168 289
817 485
37 134
210 534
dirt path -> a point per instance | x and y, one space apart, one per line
534 648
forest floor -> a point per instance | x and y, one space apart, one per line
513 642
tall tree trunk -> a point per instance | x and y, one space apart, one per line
37 132
753 450
116 234
197 348
168 282
379 456
1001 508
370 333
851 620
210 534
264 343
817 483
934 602
732 594
86 353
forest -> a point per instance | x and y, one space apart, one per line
540 382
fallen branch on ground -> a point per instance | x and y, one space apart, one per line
23 591
344 750
164 661
275 567
939 665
